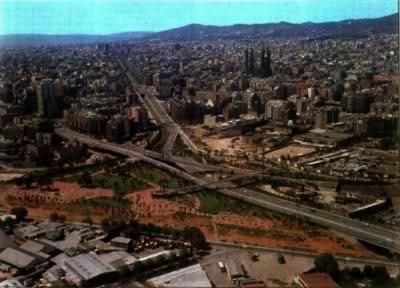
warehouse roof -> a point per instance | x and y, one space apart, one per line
88 266
118 259
5 241
28 231
192 276
37 248
11 283
20 258
121 240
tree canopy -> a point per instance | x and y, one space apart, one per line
195 237
85 179
20 213
54 216
327 263
8 222
117 190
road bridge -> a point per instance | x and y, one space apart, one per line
220 184
363 231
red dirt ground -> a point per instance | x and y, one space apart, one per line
60 192
163 212
169 213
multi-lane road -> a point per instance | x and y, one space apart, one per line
149 156
214 185
227 182
169 129
372 234
186 164
158 113
363 231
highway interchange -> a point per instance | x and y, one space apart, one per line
372 234
369 233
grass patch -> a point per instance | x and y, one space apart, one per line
130 177
348 247
213 202
174 184
157 176
126 185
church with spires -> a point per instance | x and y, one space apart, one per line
264 70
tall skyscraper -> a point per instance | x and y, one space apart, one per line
49 101
262 62
267 65
251 62
246 61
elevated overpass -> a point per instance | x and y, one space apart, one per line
149 156
215 185
363 231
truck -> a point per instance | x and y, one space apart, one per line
221 266
255 257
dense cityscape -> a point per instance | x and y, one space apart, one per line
211 162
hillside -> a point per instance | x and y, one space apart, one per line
346 28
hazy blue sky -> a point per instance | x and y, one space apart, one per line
109 16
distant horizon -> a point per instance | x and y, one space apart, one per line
106 17
123 32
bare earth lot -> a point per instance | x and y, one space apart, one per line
222 226
292 150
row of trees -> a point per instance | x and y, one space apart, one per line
20 215
7 223
86 180
29 180
190 234
378 274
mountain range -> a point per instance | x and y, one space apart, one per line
344 29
